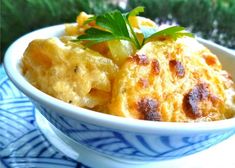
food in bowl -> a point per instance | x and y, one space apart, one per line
120 64
123 139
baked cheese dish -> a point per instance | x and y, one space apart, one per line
167 79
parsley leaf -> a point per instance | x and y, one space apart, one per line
115 25
174 32
113 22
136 11
112 26
90 19
133 12
94 35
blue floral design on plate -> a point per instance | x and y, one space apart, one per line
22 144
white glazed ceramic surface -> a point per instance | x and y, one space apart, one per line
116 137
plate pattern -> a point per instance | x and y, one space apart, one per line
22 144
131 145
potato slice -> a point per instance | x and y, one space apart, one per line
120 50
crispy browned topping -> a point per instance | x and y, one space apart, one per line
155 67
210 60
143 82
141 59
75 69
191 100
149 108
177 68
162 38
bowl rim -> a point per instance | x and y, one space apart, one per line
12 68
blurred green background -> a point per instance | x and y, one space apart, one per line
210 19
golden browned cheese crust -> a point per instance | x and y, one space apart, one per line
179 81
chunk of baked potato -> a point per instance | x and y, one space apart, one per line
69 72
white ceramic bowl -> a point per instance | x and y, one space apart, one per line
116 137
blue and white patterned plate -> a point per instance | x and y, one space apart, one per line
23 144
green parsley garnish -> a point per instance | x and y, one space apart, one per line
174 32
115 26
